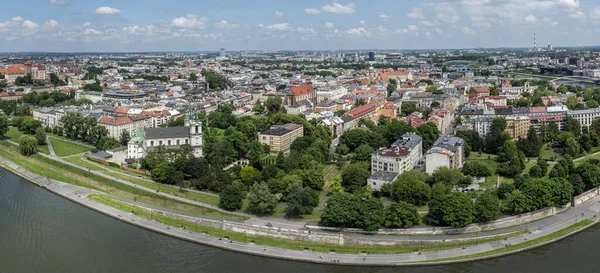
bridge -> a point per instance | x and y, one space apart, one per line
577 78
456 62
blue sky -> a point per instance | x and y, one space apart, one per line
186 25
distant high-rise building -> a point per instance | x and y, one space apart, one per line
567 60
222 52
549 47
356 58
371 56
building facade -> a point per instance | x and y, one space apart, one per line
447 151
280 138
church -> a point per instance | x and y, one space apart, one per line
143 142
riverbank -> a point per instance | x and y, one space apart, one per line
78 195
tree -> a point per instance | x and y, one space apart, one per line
193 77
476 169
283 184
391 87
28 145
516 202
504 190
455 209
572 147
589 173
410 187
40 135
400 215
274 104
572 125
261 200
536 172
108 143
125 137
408 108
4 123
562 191
335 186
300 201
577 183
487 207
370 214
247 173
543 166
531 145
363 153
449 177
430 133
231 197
496 137
340 210
354 176
512 160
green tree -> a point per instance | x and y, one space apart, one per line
476 168
283 184
531 145
354 176
516 202
125 137
335 186
572 125
411 187
536 172
363 153
400 215
193 77
496 137
28 145
301 201
572 147
430 133
512 161
370 214
408 108
108 143
247 173
261 200
4 124
40 135
340 211
449 177
231 197
543 166
504 190
487 207
454 209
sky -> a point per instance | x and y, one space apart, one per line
207 25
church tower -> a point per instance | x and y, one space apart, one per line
195 128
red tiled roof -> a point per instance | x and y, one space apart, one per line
302 89
362 110
14 69
480 89
114 120
385 75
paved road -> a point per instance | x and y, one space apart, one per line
78 194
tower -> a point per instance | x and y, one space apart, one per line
535 48
222 53
195 128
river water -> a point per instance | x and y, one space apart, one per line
42 232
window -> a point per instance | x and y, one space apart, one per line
169 142
178 142
160 142
271 138
152 143
264 138
374 183
186 141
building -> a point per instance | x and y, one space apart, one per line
447 151
299 93
475 92
167 137
388 163
329 93
371 56
116 125
222 53
518 127
585 117
400 76
280 138
37 71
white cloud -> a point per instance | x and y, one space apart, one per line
279 27
91 31
450 19
381 28
413 28
339 8
428 34
402 31
568 3
225 25
439 31
467 30
107 10
358 32
595 13
530 19
57 2
30 25
17 19
51 24
189 21
577 15
306 30
362 23
278 14
311 11
329 25
416 13
384 17
410 29
427 23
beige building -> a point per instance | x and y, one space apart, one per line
518 127
280 138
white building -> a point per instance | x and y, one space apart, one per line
447 151
328 93
585 117
388 163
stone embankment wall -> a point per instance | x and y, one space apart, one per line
577 200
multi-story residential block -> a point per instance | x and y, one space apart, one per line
585 117
328 93
447 151
116 125
280 138
475 92
403 155
518 127
442 119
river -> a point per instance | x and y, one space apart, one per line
42 232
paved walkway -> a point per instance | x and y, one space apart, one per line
50 148
77 194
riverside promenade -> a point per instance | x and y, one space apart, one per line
587 210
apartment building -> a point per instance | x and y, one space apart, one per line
388 163
585 117
447 151
280 138
518 127
116 125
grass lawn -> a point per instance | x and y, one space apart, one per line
296 245
537 241
79 161
476 155
13 134
66 148
62 172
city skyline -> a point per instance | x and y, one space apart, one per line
126 26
